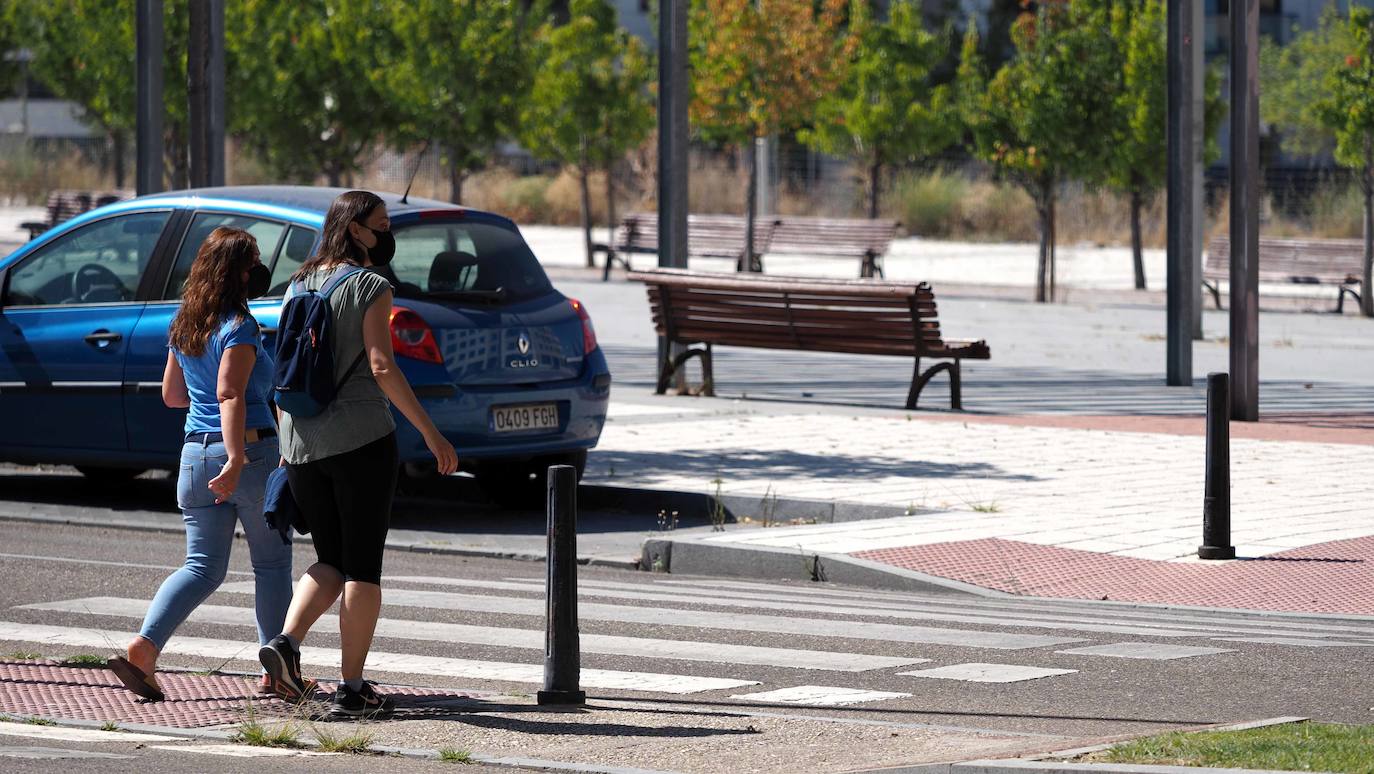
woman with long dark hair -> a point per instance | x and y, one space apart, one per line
342 463
217 368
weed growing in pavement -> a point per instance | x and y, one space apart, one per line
251 732
7 719
667 522
717 508
990 507
23 655
450 755
85 659
37 721
356 743
769 506
109 725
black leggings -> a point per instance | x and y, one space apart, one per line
346 500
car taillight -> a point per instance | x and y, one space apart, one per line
588 332
411 336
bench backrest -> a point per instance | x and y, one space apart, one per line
717 236
1321 260
64 205
856 316
832 236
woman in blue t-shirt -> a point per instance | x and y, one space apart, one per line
217 368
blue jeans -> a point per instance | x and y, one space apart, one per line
210 535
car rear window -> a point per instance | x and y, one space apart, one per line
454 257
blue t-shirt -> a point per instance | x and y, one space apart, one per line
202 377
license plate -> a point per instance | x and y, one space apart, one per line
533 416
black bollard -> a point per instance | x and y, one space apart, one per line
1216 496
562 659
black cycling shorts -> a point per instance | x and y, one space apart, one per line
346 499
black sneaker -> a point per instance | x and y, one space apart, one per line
283 665
365 703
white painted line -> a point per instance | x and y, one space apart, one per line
819 696
388 662
989 673
715 619
56 754
246 751
78 734
531 639
617 410
1302 643
1153 651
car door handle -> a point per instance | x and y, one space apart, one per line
103 338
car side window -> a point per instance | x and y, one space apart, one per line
293 253
267 232
99 263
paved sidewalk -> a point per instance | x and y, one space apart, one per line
1048 506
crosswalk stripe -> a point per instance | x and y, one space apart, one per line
988 673
1302 643
819 696
433 631
328 658
1150 651
714 619
61 733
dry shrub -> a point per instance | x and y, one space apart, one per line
714 187
1101 217
29 174
997 212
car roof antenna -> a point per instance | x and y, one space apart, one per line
415 172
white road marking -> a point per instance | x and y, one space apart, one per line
64 734
715 619
1154 651
387 662
1302 643
819 696
246 751
532 639
988 673
56 754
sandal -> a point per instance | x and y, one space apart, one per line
137 681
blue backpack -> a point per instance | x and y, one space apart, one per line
304 376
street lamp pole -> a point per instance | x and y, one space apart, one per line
1185 87
149 96
1244 289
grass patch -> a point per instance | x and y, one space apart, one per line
987 507
40 722
450 755
253 733
23 655
85 659
109 725
1287 747
355 743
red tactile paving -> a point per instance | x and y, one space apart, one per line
1335 577
52 690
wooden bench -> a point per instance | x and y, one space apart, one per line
62 206
708 236
1337 262
866 317
864 239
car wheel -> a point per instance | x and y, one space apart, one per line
523 483
103 475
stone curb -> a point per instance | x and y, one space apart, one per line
512 762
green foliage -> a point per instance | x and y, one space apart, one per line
460 72
1347 105
590 101
930 205
888 109
303 83
84 659
450 755
1287 747
1293 79
1137 162
355 743
253 733
12 37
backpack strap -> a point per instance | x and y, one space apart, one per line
334 282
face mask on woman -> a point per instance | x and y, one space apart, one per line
381 253
259 279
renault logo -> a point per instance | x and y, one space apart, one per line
523 343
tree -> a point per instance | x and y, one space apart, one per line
84 50
1044 116
1347 109
888 109
463 69
12 36
759 67
1294 77
302 86
590 102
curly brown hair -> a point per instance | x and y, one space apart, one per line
214 289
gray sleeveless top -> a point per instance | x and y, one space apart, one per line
360 413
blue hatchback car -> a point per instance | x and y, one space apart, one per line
508 367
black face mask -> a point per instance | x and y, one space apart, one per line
381 253
259 280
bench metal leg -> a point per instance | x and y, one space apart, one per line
671 366
871 267
1340 298
612 258
919 381
1215 290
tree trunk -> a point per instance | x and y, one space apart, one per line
875 171
456 177
1137 202
1043 257
1367 184
117 157
1049 193
583 172
333 174
751 207
610 207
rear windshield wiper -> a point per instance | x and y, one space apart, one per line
498 294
